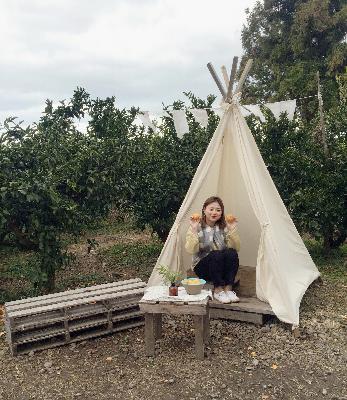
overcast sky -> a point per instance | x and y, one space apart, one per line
144 52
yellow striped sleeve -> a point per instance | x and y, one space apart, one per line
233 240
192 242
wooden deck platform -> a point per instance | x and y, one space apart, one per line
249 309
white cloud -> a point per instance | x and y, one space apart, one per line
143 52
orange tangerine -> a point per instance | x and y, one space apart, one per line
195 217
230 218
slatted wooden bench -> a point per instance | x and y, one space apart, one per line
62 318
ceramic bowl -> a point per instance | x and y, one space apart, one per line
193 285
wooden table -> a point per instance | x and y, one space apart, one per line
154 309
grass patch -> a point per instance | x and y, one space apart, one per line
333 266
138 257
80 281
110 225
17 268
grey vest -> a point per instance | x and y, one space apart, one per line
209 239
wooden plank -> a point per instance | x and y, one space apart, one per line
87 323
83 310
169 309
199 336
232 78
9 304
42 309
39 335
216 79
129 315
125 305
26 348
202 303
74 296
236 315
246 304
27 322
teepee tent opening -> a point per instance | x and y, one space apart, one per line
233 169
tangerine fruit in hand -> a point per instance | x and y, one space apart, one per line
230 218
195 217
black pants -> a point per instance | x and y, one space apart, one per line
219 267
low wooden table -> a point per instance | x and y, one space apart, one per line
154 309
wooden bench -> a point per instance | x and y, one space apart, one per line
154 309
62 318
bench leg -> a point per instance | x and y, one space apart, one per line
149 334
199 322
158 326
207 328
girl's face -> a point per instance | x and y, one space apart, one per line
213 213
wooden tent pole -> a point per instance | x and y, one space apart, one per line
225 75
232 78
244 75
216 79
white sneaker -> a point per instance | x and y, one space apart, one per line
222 297
232 296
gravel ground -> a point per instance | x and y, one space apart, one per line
244 361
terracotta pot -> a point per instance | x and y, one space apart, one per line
173 290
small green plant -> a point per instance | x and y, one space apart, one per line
169 277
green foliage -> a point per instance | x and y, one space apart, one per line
290 41
311 184
333 266
163 166
169 277
55 179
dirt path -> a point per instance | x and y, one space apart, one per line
244 361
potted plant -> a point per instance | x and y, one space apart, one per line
170 278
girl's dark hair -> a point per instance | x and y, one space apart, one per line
221 222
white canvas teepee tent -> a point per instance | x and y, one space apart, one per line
233 169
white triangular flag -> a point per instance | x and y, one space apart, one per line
279 107
200 116
144 117
252 109
180 122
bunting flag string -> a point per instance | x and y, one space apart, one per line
200 115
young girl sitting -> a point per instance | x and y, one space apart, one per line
214 243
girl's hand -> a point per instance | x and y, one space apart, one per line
232 226
194 224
